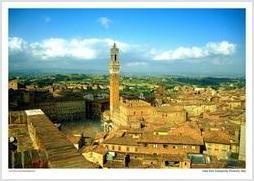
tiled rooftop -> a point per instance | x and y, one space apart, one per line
61 152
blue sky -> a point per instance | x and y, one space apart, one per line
205 41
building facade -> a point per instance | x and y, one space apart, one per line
57 111
135 113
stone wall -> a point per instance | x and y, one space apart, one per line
64 110
17 117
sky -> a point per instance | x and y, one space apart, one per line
159 41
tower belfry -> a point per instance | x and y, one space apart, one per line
114 73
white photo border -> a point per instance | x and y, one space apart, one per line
127 173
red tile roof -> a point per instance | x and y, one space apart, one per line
217 137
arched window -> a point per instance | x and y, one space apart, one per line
115 57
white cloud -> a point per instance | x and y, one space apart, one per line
95 48
86 49
56 48
224 48
17 44
210 49
105 22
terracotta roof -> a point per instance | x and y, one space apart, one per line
60 151
125 140
171 139
184 134
100 135
73 139
169 157
100 149
187 129
94 148
86 149
217 137
137 130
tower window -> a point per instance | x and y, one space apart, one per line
165 146
115 57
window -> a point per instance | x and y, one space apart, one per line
134 113
174 147
113 147
193 147
184 146
165 146
119 148
136 149
155 145
127 149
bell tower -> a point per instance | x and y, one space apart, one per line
114 74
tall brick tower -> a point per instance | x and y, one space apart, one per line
114 73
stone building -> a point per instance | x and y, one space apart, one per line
16 84
95 154
163 147
218 144
135 113
67 110
242 147
95 108
40 136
